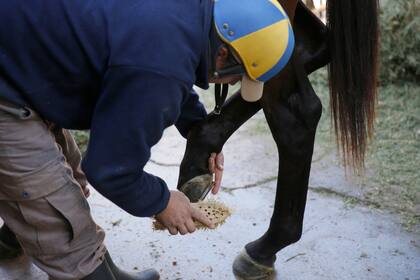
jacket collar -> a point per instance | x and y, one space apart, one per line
202 69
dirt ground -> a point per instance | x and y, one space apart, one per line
344 237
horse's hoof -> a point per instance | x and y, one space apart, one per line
245 268
198 187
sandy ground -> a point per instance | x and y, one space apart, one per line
341 240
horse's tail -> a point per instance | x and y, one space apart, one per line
354 44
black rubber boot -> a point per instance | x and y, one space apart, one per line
9 246
102 272
109 271
148 274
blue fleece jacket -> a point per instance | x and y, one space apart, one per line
122 68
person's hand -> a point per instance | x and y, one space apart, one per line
179 215
216 162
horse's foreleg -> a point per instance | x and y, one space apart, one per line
209 137
292 115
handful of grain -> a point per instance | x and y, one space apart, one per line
215 211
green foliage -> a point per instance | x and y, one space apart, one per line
397 135
393 159
394 153
400 41
82 139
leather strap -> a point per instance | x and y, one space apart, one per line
220 94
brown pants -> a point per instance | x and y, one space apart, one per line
41 199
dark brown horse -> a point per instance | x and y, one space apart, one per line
349 44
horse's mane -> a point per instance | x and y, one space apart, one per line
353 70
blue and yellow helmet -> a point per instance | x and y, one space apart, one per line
261 36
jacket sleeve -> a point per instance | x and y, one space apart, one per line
192 112
134 108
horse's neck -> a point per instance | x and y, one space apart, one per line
290 7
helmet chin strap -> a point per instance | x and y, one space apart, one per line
220 94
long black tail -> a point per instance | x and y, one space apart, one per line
353 71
